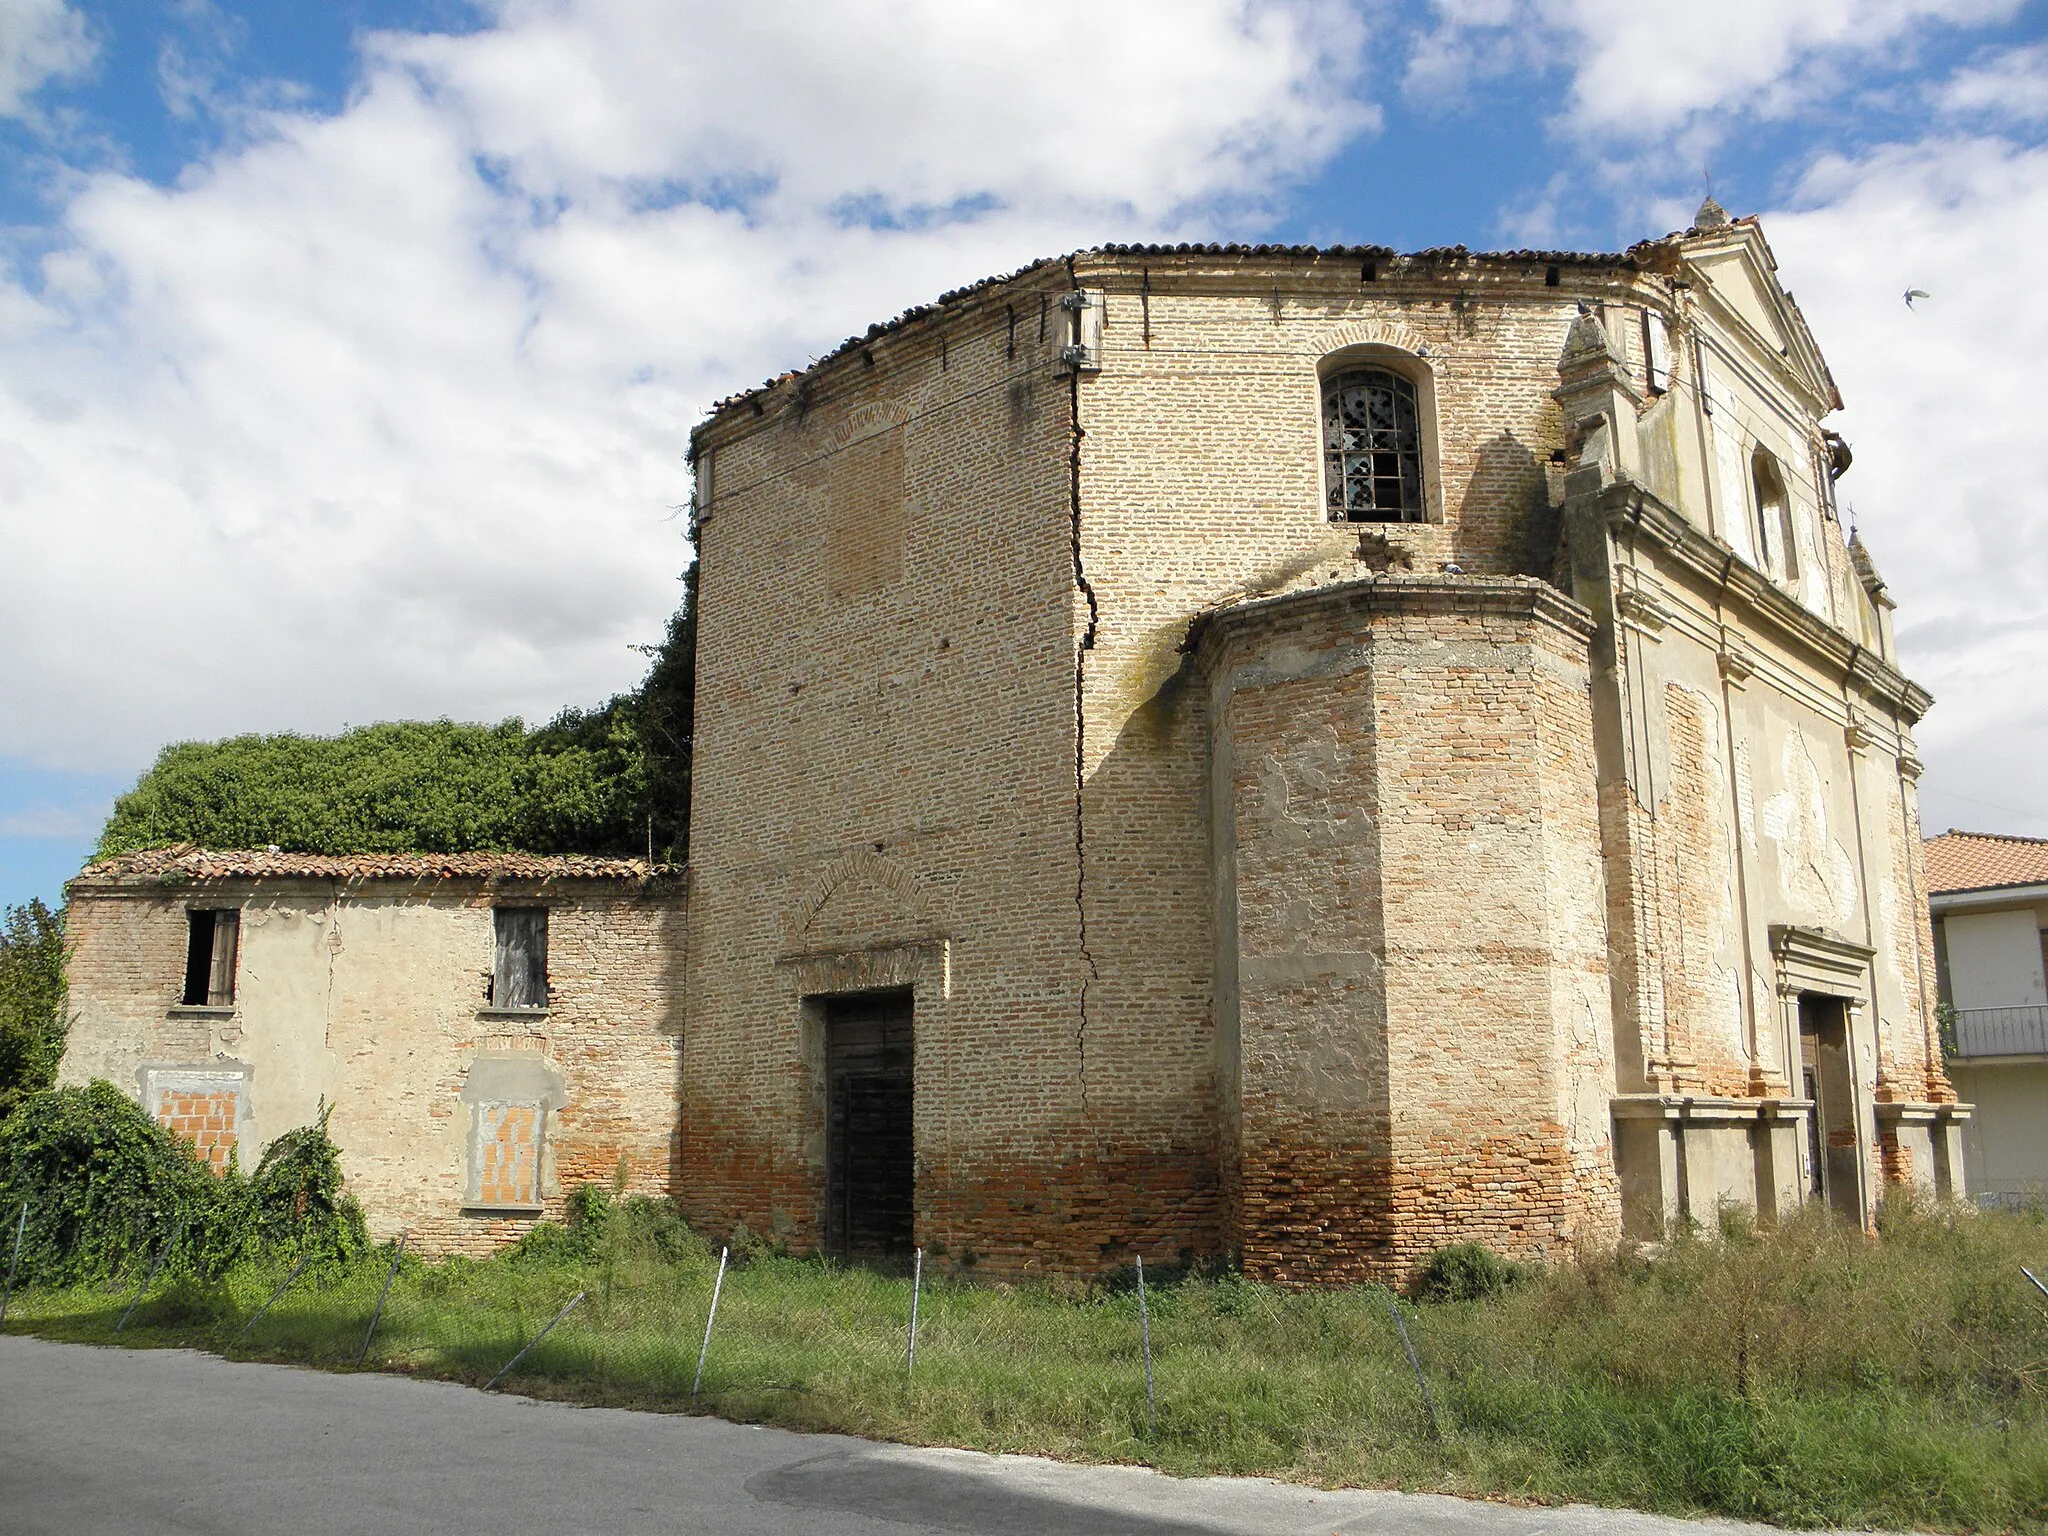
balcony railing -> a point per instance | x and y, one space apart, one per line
2021 1031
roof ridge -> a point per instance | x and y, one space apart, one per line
192 861
1995 837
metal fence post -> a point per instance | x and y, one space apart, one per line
20 1226
916 1287
150 1278
378 1315
1145 1339
297 1270
717 1286
567 1307
1428 1399
2043 1289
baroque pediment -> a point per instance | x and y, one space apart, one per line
1735 275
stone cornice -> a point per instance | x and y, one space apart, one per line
1672 538
1522 597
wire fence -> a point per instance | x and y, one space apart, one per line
764 1337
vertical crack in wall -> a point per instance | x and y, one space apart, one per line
1089 973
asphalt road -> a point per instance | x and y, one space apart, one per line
108 1442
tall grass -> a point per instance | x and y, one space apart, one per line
1806 1376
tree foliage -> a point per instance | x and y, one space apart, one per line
107 1189
614 779
32 1014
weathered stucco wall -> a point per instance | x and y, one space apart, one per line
370 997
1761 831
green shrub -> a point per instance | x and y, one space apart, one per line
295 1205
1467 1272
399 787
107 1188
602 1227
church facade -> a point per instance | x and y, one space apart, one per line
1308 755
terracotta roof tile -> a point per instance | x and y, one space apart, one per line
184 862
1975 861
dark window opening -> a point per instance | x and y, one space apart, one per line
210 946
1372 448
1774 516
870 1150
519 964
1550 277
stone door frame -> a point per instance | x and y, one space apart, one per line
1813 961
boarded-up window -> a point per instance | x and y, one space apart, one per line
210 958
505 1146
1656 352
519 970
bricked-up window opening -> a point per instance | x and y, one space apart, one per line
1372 447
870 1174
504 1171
210 946
1826 1079
207 1120
519 969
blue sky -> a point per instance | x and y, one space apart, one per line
347 350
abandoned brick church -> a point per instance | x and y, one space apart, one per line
1307 755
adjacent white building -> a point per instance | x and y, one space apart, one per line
1989 898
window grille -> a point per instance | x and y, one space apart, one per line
1372 448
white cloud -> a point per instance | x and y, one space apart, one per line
1943 406
40 41
381 414
2011 84
1637 70
917 102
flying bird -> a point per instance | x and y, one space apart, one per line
1916 293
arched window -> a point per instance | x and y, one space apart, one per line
1372 447
1773 516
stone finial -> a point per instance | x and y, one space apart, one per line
1599 399
1588 337
1864 567
1711 215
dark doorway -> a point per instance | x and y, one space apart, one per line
870 1153
1828 1078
